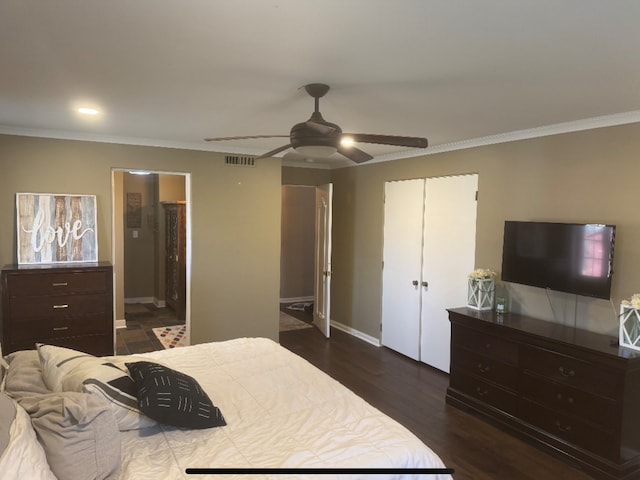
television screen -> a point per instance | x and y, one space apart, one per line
573 258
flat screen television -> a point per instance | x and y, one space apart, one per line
567 257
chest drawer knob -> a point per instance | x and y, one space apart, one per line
60 284
483 368
563 428
64 305
567 372
60 329
482 392
560 398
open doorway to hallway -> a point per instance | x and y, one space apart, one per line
151 260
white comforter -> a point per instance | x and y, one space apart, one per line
281 412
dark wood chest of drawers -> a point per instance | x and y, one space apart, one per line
573 392
69 305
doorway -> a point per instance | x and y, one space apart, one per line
305 257
146 319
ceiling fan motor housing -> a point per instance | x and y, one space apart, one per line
304 135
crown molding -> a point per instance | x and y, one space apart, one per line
547 130
544 131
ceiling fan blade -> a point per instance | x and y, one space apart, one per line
245 137
274 151
355 154
415 142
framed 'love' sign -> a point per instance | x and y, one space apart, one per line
56 228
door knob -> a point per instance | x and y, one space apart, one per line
425 284
415 283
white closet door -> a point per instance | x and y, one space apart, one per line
403 214
448 257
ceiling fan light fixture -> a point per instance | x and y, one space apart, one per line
321 151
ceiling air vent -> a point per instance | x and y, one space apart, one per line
240 161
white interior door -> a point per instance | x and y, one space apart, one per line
322 302
448 257
402 259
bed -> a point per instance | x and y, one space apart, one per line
268 409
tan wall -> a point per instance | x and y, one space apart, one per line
305 176
139 241
297 261
588 176
235 221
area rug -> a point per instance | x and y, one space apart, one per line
171 337
287 322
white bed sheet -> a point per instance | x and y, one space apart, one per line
281 412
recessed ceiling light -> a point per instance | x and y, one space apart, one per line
88 111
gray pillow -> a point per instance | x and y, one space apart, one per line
24 376
78 432
7 415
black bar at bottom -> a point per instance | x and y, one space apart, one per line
318 471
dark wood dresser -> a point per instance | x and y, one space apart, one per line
69 305
575 393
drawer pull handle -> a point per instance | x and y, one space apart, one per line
59 284
482 391
58 329
483 368
64 305
563 428
569 399
566 373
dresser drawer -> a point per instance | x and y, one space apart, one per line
484 344
485 367
570 429
57 306
483 391
569 400
60 283
59 327
571 371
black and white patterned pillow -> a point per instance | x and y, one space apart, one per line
172 397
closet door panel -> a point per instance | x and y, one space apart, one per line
403 214
448 257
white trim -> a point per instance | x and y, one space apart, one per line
546 130
297 299
121 323
621 118
356 333
139 300
159 303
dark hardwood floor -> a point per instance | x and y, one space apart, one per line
413 394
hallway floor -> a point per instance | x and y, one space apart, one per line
138 336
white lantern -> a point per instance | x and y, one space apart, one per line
629 327
480 293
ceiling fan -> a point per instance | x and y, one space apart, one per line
318 138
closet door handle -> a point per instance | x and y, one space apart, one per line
415 283
425 284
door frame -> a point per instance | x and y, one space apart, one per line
117 245
315 273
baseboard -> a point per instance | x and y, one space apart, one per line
121 323
139 300
159 303
297 299
356 333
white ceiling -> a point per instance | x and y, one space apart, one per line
172 72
